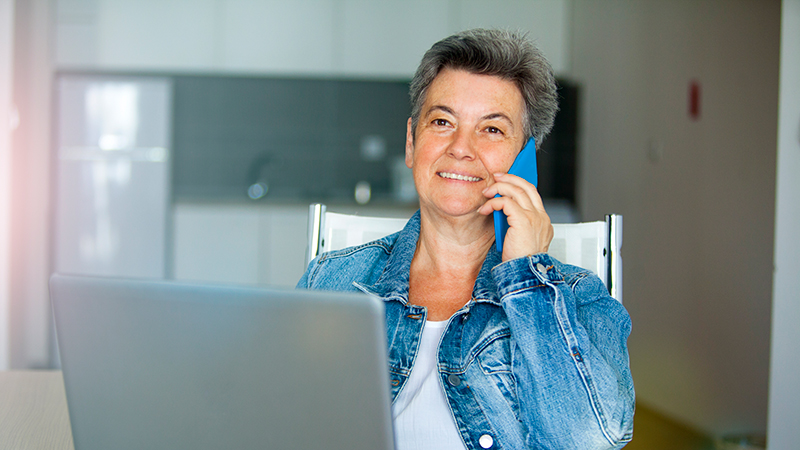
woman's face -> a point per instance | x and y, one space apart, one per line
469 128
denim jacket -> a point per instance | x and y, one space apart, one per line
536 359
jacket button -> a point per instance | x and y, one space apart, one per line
453 379
486 441
541 268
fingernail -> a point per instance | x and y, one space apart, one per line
498 175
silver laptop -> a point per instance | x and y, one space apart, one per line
172 365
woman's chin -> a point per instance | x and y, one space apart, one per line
456 209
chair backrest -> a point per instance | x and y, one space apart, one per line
592 245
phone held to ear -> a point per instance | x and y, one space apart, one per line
524 167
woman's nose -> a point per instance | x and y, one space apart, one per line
462 146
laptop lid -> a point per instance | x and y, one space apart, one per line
155 364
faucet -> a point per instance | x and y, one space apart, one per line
258 178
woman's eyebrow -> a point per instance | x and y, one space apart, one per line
498 115
490 116
442 108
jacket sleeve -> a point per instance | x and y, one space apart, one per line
305 280
569 354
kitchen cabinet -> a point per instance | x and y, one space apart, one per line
278 37
137 35
238 243
247 243
388 38
352 38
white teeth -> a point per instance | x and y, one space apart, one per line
454 176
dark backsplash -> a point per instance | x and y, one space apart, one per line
302 136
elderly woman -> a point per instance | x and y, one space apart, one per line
487 350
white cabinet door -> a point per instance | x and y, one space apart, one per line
277 36
240 243
216 244
285 239
249 244
548 23
157 34
388 38
134 35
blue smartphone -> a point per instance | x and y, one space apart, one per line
524 167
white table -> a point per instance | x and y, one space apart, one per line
33 411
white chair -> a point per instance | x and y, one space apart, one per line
592 245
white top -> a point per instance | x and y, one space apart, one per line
422 417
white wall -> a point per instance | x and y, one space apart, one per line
6 50
697 196
784 395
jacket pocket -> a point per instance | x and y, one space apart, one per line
494 360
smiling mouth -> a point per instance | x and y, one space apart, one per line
455 176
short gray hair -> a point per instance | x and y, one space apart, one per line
508 55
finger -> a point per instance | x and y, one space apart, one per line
513 180
531 190
493 204
509 206
524 195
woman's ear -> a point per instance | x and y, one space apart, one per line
409 144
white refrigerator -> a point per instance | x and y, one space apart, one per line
112 196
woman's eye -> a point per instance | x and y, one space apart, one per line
440 122
494 130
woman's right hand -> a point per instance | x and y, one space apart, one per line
529 228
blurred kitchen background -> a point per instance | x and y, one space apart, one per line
185 140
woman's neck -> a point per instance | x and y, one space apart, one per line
446 264
452 244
